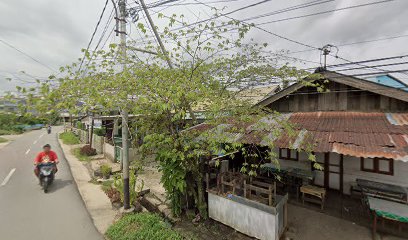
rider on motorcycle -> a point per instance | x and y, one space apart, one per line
44 157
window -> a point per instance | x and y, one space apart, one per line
378 165
288 154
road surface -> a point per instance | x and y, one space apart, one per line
26 212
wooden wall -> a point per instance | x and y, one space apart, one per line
340 98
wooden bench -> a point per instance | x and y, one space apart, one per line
313 194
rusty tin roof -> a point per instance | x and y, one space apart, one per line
350 133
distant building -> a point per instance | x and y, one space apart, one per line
389 81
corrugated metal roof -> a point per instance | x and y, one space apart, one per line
349 133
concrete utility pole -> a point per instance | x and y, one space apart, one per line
125 129
149 18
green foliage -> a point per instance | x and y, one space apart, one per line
118 185
3 140
6 132
77 153
106 170
11 123
69 138
80 125
142 226
210 63
106 185
100 132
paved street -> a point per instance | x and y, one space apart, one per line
26 212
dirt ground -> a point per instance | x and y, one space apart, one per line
306 224
303 224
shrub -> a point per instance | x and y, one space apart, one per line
69 138
100 132
3 140
77 153
87 150
142 226
106 170
6 132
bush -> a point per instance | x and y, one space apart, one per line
69 138
100 132
77 153
3 140
142 226
106 170
6 132
87 150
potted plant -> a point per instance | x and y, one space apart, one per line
106 171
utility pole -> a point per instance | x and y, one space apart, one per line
165 53
163 49
125 133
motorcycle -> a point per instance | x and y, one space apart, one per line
46 175
49 130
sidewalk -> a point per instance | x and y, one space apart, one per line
96 201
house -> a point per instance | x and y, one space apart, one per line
389 81
359 129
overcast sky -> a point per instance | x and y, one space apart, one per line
54 31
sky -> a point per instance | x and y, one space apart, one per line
53 32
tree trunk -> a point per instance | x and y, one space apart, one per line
91 134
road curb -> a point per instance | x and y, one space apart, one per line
96 201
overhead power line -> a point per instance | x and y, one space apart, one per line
93 34
27 55
355 43
381 65
325 12
369 60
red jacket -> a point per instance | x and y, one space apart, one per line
42 157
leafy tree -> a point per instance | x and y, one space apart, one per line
211 64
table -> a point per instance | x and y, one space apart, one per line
313 191
383 190
388 210
295 172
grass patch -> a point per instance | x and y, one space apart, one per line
69 138
77 153
142 226
3 140
7 132
106 185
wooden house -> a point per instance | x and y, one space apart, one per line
358 128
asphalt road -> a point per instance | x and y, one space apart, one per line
26 212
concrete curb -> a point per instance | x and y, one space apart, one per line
96 201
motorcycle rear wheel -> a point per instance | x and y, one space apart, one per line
45 184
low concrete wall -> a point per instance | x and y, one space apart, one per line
249 217
109 151
98 143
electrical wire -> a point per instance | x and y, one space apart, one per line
325 12
27 55
93 34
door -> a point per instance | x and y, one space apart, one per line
331 177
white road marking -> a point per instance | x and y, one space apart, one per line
8 177
42 135
27 151
35 142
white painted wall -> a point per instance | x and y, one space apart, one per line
351 171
